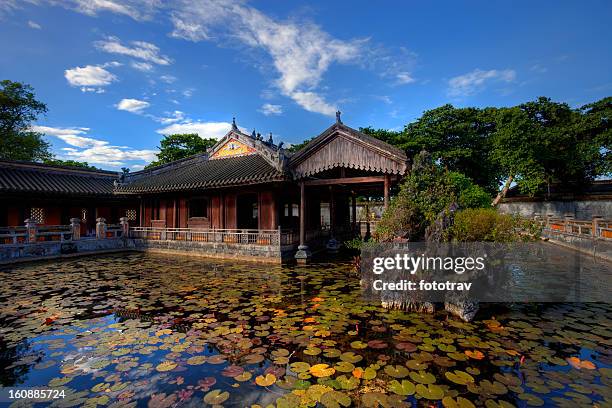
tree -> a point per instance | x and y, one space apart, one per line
457 138
178 146
70 163
295 147
18 109
541 142
426 192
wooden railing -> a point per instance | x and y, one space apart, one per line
231 236
595 228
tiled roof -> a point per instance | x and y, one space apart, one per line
199 173
24 177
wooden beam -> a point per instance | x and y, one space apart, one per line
386 194
347 180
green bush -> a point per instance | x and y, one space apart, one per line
488 225
425 193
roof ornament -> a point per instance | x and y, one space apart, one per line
270 140
338 120
234 127
258 136
254 135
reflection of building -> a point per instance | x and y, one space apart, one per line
247 183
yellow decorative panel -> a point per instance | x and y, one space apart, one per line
231 148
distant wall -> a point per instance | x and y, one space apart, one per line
581 210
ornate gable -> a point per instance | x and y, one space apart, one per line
231 148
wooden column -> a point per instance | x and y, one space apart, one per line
354 210
332 212
141 219
302 214
386 187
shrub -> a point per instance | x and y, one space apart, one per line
488 225
425 193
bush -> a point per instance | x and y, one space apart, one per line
488 225
425 193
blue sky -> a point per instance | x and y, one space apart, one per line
118 74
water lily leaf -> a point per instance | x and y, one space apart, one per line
216 397
58 382
245 376
196 360
166 366
335 399
402 388
430 392
374 400
460 402
580 364
265 381
350 357
475 354
532 400
347 383
396 371
358 345
459 377
299 367
498 404
312 351
422 377
344 367
376 344
322 370
406 346
416 365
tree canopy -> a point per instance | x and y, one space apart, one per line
532 144
18 109
178 146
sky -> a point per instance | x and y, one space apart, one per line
117 75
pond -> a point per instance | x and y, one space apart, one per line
129 330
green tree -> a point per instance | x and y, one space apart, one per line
541 142
179 146
427 191
457 138
295 147
18 109
70 163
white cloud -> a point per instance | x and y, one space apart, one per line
90 78
474 81
171 117
168 78
270 109
301 53
205 129
95 151
136 9
404 78
139 49
34 25
132 105
141 66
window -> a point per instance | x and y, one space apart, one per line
198 208
295 210
38 215
130 215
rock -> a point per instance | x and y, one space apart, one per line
465 310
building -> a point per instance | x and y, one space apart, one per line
242 183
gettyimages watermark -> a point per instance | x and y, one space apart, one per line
483 272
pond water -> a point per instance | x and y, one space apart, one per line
139 330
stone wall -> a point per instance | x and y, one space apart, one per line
597 247
580 210
58 249
221 250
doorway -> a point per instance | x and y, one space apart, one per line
248 211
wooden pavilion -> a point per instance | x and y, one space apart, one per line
246 183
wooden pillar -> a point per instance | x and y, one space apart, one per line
386 192
174 215
302 214
332 212
141 220
303 253
354 211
